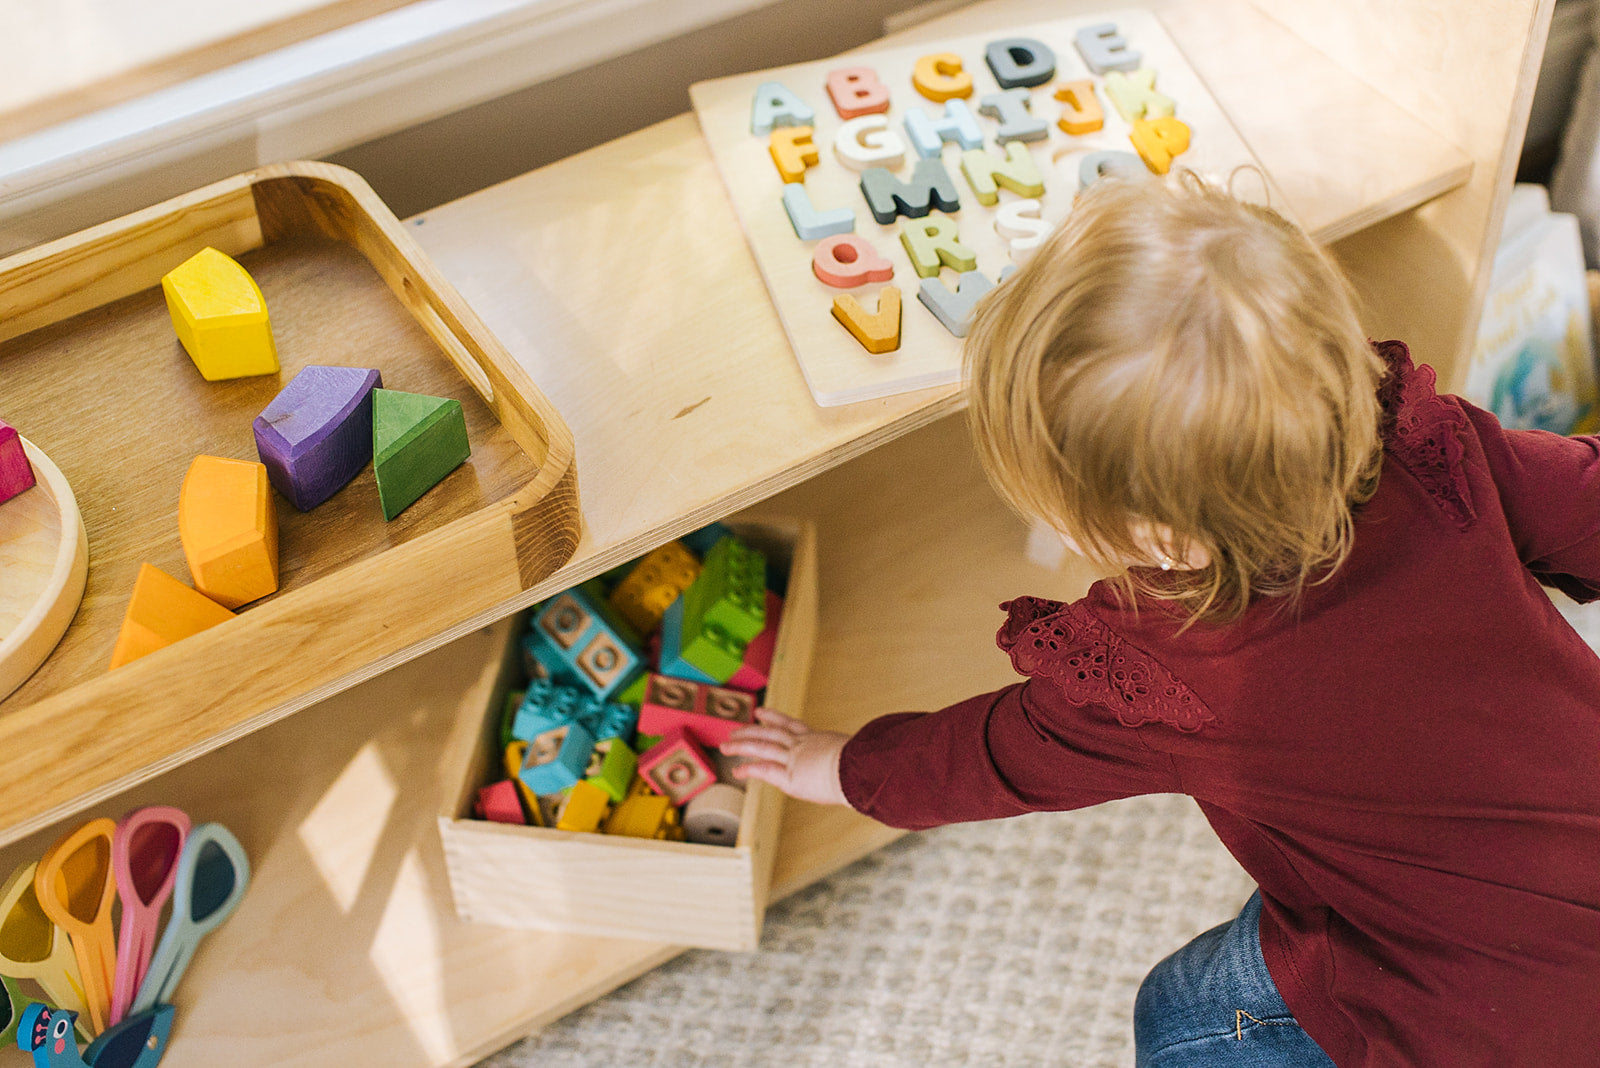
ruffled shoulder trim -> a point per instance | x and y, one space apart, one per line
1423 433
1071 646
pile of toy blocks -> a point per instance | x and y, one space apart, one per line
636 679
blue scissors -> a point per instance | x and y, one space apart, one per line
212 875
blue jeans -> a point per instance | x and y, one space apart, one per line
1213 1003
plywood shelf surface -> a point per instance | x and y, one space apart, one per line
621 280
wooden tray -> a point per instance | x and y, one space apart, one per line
90 369
44 559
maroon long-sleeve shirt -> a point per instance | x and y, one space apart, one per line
1408 762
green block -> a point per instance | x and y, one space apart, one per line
611 767
714 651
633 696
730 595
508 715
416 441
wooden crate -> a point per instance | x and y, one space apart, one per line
90 368
677 892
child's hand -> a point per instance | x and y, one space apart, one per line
799 761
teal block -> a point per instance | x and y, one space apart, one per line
577 638
557 758
672 662
416 441
700 541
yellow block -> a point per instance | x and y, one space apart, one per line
220 317
162 611
229 528
585 808
654 583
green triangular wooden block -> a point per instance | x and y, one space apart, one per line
416 441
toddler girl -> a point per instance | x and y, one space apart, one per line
1326 624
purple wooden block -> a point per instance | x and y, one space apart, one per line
16 473
316 435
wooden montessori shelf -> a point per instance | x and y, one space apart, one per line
620 282
347 949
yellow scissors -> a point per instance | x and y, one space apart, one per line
31 947
76 890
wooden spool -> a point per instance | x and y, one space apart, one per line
44 557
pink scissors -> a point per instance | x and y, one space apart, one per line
144 863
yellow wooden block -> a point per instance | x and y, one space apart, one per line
585 808
939 77
878 331
515 753
220 317
648 815
161 611
228 525
1082 114
1158 140
792 151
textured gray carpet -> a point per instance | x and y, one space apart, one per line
1017 943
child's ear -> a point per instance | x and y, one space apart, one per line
1166 546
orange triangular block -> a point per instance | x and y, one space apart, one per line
161 611
220 316
229 529
878 332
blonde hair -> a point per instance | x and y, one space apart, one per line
1173 356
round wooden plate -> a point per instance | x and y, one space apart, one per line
44 562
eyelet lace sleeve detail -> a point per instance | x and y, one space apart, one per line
1423 433
1070 646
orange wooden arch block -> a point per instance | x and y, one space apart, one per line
161 611
879 331
228 524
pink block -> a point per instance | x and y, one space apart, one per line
16 473
677 768
498 802
707 714
757 667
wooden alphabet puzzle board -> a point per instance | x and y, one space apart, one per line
1056 75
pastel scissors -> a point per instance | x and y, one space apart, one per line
76 890
144 863
211 878
32 947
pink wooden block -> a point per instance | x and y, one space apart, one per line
752 674
676 767
498 802
16 473
707 714
857 91
845 261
